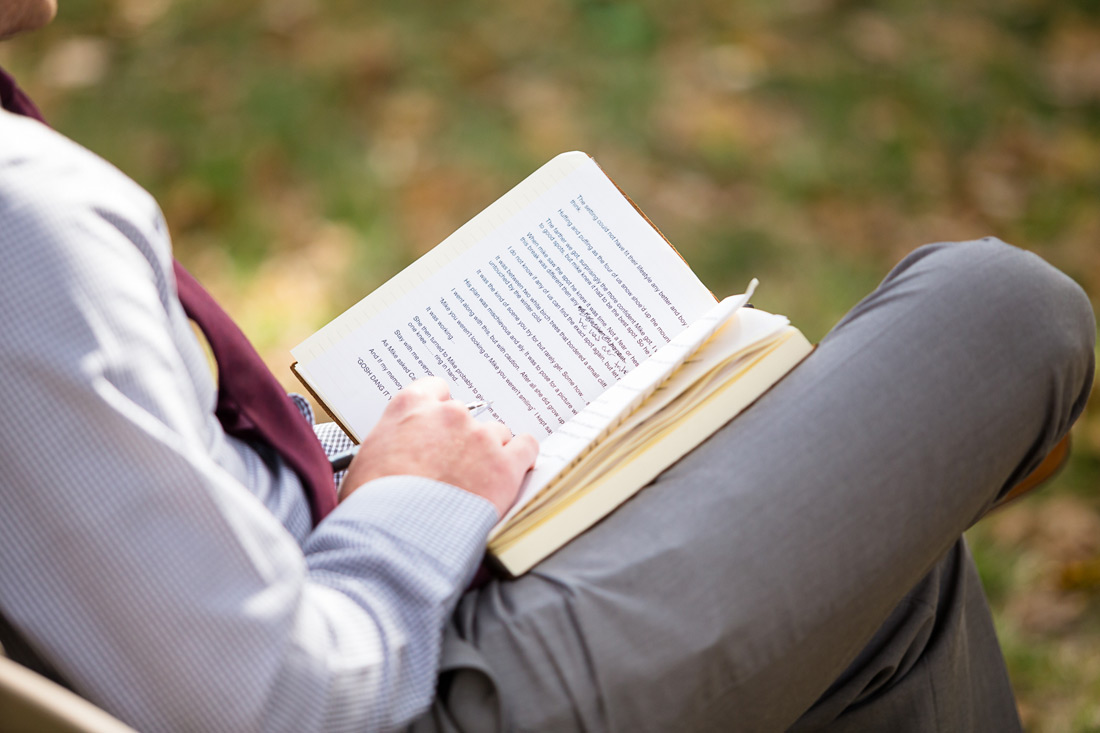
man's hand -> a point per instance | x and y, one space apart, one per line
423 432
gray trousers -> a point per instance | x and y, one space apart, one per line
804 568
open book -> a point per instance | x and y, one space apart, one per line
563 306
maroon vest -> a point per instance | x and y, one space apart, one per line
251 404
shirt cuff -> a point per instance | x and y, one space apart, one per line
440 527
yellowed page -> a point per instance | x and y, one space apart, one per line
742 337
601 498
604 414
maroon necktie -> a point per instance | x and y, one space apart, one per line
251 404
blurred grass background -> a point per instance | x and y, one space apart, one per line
305 150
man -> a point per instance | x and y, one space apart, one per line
802 569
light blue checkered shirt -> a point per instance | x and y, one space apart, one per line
166 570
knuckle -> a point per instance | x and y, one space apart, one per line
403 399
452 413
528 445
484 434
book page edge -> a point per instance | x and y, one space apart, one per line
324 404
586 510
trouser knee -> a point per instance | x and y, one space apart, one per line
1028 306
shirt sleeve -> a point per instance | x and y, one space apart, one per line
135 557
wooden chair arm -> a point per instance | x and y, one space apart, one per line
30 702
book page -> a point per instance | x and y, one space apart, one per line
564 294
746 333
523 545
604 414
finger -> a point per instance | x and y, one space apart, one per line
432 388
521 452
500 431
